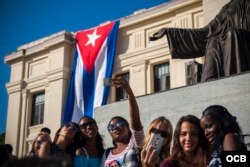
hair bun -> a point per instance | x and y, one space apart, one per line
234 119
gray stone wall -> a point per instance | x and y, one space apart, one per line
232 92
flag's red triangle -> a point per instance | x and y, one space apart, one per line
90 42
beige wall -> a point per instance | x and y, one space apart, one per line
41 66
137 55
211 8
45 65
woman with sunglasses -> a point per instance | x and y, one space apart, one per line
222 132
42 137
65 143
124 138
91 144
153 153
189 147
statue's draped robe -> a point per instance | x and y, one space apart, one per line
225 41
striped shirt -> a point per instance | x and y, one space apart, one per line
135 141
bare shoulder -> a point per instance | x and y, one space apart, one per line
80 151
231 142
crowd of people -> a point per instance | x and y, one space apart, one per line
193 143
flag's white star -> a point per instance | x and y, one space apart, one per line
92 38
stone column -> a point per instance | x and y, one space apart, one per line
57 77
14 88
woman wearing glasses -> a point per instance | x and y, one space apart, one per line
42 137
189 147
64 144
124 137
91 150
156 145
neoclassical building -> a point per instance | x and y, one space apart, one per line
40 70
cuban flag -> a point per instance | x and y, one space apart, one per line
93 61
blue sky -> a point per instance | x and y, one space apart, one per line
28 20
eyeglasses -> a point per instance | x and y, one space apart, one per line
72 126
163 134
118 124
85 125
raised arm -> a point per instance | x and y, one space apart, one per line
44 150
133 106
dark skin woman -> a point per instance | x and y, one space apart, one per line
91 143
124 136
222 132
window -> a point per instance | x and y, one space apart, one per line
37 109
193 72
120 93
161 77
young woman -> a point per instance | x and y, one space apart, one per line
150 155
91 150
66 141
64 144
189 148
222 131
42 137
124 138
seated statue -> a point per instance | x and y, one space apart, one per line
225 41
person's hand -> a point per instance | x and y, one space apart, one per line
150 157
120 82
43 150
135 122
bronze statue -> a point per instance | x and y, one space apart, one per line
225 41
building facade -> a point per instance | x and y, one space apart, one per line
40 70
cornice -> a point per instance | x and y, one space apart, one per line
41 45
14 56
157 11
39 81
58 74
150 53
144 51
15 86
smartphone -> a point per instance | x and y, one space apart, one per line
108 82
156 141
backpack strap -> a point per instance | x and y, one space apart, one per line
245 142
107 151
86 152
132 158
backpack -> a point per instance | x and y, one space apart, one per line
245 139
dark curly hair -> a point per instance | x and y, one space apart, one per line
99 140
74 144
227 121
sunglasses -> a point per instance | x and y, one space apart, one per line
40 141
85 125
118 124
72 126
163 134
